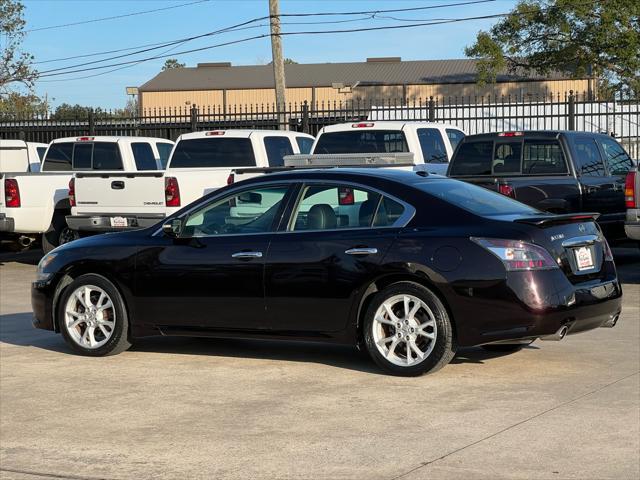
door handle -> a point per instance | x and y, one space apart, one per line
247 255
117 185
361 251
590 189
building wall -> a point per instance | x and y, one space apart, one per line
259 99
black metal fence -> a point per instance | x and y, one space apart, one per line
618 117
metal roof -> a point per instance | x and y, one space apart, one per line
220 76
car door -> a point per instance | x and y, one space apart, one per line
330 249
211 275
598 193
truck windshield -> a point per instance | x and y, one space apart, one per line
474 199
362 141
213 152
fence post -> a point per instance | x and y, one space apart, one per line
305 117
194 118
572 111
432 110
92 123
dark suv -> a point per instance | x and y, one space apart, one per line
556 171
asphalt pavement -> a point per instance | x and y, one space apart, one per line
176 408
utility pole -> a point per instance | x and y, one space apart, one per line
278 63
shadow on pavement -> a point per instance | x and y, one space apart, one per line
628 264
16 329
27 257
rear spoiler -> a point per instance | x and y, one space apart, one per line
548 220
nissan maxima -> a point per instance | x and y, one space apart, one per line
406 266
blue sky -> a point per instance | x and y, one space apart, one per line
108 90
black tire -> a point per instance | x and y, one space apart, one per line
58 233
445 345
118 342
506 347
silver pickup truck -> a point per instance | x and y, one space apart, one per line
632 200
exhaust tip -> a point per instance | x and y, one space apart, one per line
613 319
559 335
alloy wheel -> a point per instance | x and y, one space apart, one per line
90 316
404 330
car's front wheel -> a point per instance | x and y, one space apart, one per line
92 317
407 330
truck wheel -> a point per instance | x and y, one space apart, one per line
59 233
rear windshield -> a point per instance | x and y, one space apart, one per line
474 199
213 152
304 144
143 156
58 157
509 157
277 148
164 150
362 141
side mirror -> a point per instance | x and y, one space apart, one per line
172 228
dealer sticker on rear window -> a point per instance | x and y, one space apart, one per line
584 258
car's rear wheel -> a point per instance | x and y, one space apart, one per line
92 317
407 330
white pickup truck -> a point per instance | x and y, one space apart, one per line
432 144
21 156
200 163
37 203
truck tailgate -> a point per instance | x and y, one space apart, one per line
119 192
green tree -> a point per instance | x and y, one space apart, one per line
66 111
15 65
14 105
287 61
172 63
576 37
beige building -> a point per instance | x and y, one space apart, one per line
221 87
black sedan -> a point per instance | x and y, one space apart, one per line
407 266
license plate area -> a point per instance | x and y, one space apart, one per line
584 258
119 222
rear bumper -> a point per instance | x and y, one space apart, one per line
102 223
528 305
632 225
7 224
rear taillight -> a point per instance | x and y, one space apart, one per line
516 255
608 254
171 192
630 190
231 178
72 192
11 193
506 189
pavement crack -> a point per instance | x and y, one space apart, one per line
51 475
533 417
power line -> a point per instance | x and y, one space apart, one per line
323 32
151 47
115 17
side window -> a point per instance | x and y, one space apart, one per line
432 145
143 156
41 151
388 213
277 148
617 159
588 160
106 156
304 144
473 158
506 158
58 157
250 211
543 157
454 137
164 150
82 156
